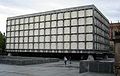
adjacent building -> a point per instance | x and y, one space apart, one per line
74 30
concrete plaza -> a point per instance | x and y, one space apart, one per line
46 69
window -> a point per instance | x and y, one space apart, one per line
8 22
89 37
60 46
16 33
81 13
30 26
66 37
66 30
25 33
53 31
82 29
47 31
26 26
89 45
21 21
21 27
12 46
47 38
41 31
66 45
8 34
89 20
53 24
30 45
73 45
89 28
35 45
74 22
66 22
35 39
41 18
21 33
41 25
47 25
47 45
12 40
26 20
31 32
47 17
67 15
53 38
13 22
60 16
74 14
37 19
21 39
16 39
81 37
41 46
60 23
36 26
25 46
53 16
73 29
36 32
8 28
12 28
60 38
81 45
60 30
30 39
12 33
16 46
53 45
41 38
17 21
82 21
89 12
73 37
25 39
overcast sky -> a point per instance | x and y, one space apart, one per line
9 8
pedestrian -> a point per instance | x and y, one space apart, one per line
65 61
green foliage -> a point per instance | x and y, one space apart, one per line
2 42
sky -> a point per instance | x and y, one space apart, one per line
10 8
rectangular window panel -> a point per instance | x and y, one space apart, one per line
12 46
36 26
12 34
41 38
60 30
47 25
25 33
17 21
47 38
41 18
30 39
30 46
25 39
73 45
21 27
37 19
7 46
21 21
74 14
89 45
53 31
89 29
53 38
82 29
89 20
81 37
66 30
41 45
41 25
35 39
66 45
53 24
73 37
16 46
8 34
66 37
60 38
17 27
13 22
31 26
47 17
26 26
82 21
54 16
8 22
73 29
47 45
35 32
8 28
66 22
81 13
60 16
89 37
67 15
31 32
20 46
16 33
21 33
21 39
41 31
60 45
26 20
53 45
47 31
8 40
82 45
89 12
74 22
12 40
35 45
60 23
16 39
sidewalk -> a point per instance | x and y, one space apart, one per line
47 69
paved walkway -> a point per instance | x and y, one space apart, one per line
47 69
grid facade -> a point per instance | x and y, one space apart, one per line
71 30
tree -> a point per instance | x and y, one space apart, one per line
2 43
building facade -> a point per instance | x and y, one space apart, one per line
81 29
